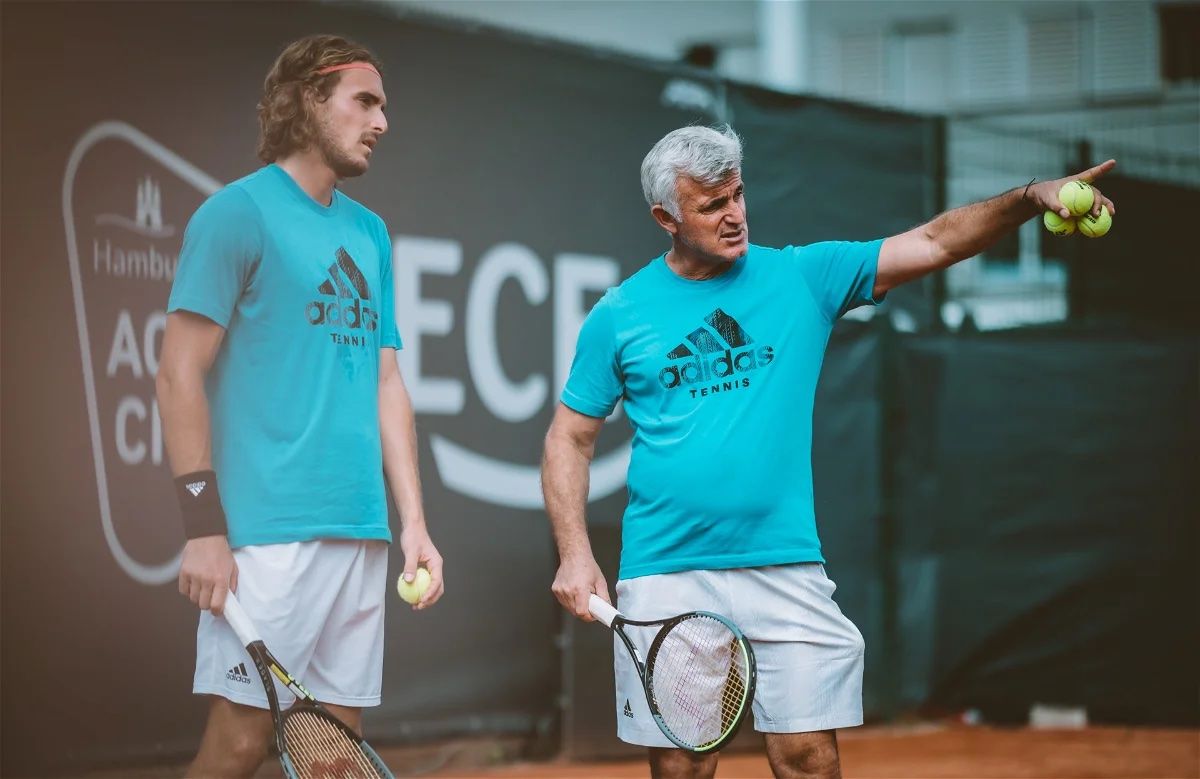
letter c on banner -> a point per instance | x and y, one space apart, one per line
507 400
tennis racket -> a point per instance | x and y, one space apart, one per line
312 743
698 675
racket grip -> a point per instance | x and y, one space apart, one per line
237 619
601 610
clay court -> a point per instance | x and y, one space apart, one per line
924 751
934 752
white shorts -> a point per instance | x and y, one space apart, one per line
319 608
809 655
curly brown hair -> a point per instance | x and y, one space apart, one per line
284 114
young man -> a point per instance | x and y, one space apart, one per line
715 348
278 377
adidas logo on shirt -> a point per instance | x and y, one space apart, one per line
238 674
348 289
714 354
628 709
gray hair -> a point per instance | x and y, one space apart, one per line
702 153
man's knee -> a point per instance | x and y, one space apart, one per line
236 740
818 760
796 755
248 749
681 764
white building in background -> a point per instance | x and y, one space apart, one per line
1023 83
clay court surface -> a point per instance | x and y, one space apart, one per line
954 752
910 752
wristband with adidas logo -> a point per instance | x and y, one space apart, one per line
200 504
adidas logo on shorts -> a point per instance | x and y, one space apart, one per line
628 709
238 674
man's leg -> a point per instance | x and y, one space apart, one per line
349 715
804 755
659 595
236 740
681 764
810 667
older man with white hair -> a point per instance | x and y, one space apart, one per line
715 347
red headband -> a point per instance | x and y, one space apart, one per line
349 66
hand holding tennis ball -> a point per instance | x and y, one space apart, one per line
1068 202
1095 226
411 592
1077 196
1057 225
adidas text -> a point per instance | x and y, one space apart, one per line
698 370
348 289
351 314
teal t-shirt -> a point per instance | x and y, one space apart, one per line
304 292
718 378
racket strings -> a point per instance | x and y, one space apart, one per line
320 749
699 680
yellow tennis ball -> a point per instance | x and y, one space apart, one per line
411 592
1095 226
1077 196
1057 225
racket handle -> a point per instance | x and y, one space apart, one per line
237 619
601 610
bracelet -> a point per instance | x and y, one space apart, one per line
1025 194
200 505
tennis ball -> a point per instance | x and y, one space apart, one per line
1077 196
1057 225
1095 226
411 592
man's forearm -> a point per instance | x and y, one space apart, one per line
398 431
183 407
966 231
565 488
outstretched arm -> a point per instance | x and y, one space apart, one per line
966 231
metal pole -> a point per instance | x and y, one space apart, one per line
938 173
783 44
1077 306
